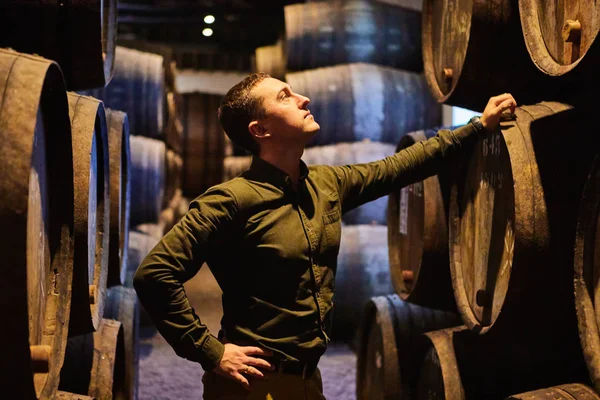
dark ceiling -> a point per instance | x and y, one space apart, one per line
240 25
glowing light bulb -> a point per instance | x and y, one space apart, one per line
209 19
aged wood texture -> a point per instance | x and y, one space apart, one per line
329 33
137 88
572 391
439 376
174 172
390 346
174 129
463 53
204 143
418 237
561 37
365 101
362 272
60 395
91 181
80 35
148 165
587 272
95 363
122 305
120 194
271 59
37 220
513 217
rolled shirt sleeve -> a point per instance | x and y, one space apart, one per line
361 183
176 258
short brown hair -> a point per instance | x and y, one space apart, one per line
239 108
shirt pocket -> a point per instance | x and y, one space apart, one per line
332 225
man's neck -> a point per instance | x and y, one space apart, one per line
287 160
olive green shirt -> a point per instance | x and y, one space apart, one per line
273 251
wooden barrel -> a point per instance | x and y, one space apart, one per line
586 272
148 164
120 194
37 220
137 88
122 305
457 38
363 101
79 35
572 391
330 33
418 237
390 346
174 167
174 129
60 395
271 59
373 212
92 212
140 244
561 37
95 362
204 143
439 376
362 272
512 225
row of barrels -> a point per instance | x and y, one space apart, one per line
505 237
553 46
72 181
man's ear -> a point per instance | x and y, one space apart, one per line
257 130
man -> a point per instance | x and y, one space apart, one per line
271 238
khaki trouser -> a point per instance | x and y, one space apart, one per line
275 386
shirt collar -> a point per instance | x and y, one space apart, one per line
267 172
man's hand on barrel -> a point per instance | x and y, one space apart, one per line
494 110
237 363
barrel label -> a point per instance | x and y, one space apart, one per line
403 225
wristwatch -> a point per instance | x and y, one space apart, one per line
476 122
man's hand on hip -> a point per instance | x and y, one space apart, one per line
237 363
494 109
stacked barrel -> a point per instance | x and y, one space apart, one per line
510 226
65 211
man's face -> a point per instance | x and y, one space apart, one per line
287 116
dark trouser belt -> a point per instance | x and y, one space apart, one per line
296 368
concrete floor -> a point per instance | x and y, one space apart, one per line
165 376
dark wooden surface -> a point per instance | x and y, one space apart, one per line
137 88
543 24
204 143
573 391
148 177
34 109
324 33
391 349
418 237
439 374
79 35
587 272
482 44
92 211
120 194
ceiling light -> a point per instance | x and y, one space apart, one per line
207 32
209 19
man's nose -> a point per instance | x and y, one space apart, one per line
304 101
